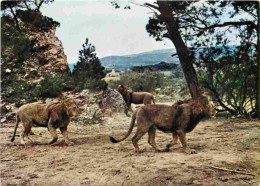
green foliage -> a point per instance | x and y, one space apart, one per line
88 72
140 81
88 64
36 20
95 84
230 79
18 91
51 87
15 46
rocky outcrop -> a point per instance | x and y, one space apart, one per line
113 101
49 58
95 106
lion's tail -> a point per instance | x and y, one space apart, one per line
132 124
15 129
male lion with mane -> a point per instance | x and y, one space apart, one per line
178 119
135 97
52 116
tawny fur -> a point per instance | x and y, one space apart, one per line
135 97
178 119
52 116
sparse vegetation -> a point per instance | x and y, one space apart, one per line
18 91
166 87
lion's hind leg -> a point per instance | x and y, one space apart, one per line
27 125
151 138
140 132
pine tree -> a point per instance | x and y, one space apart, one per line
88 69
88 65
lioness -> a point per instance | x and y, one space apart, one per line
135 97
53 116
178 119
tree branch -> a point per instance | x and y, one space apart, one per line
231 23
16 20
40 4
152 6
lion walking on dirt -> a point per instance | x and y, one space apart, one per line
52 116
178 119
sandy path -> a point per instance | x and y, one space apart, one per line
93 160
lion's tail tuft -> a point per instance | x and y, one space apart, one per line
132 124
12 138
113 140
16 125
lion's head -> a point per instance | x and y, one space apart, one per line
123 89
71 107
198 106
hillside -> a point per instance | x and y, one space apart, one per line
162 66
141 59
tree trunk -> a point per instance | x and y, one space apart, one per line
258 65
182 50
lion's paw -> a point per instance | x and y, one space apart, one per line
70 143
189 151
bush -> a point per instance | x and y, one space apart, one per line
140 81
18 91
95 84
53 86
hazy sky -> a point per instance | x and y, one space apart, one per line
112 31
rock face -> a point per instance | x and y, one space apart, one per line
49 59
114 101
95 106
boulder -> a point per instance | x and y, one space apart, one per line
113 100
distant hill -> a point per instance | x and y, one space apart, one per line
142 59
146 58
162 66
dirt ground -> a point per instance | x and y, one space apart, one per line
231 144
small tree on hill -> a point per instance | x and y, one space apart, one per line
88 71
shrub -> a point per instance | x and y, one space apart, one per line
53 86
18 91
140 81
95 84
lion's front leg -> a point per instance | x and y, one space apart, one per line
65 135
52 130
182 135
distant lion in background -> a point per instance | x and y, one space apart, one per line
135 97
52 116
178 119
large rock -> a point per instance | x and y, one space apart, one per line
113 100
49 59
95 106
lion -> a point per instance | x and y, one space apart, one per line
178 119
52 116
135 97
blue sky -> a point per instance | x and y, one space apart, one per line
112 31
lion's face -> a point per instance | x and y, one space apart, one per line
71 107
122 89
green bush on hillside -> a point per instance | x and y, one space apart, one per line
18 91
140 81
